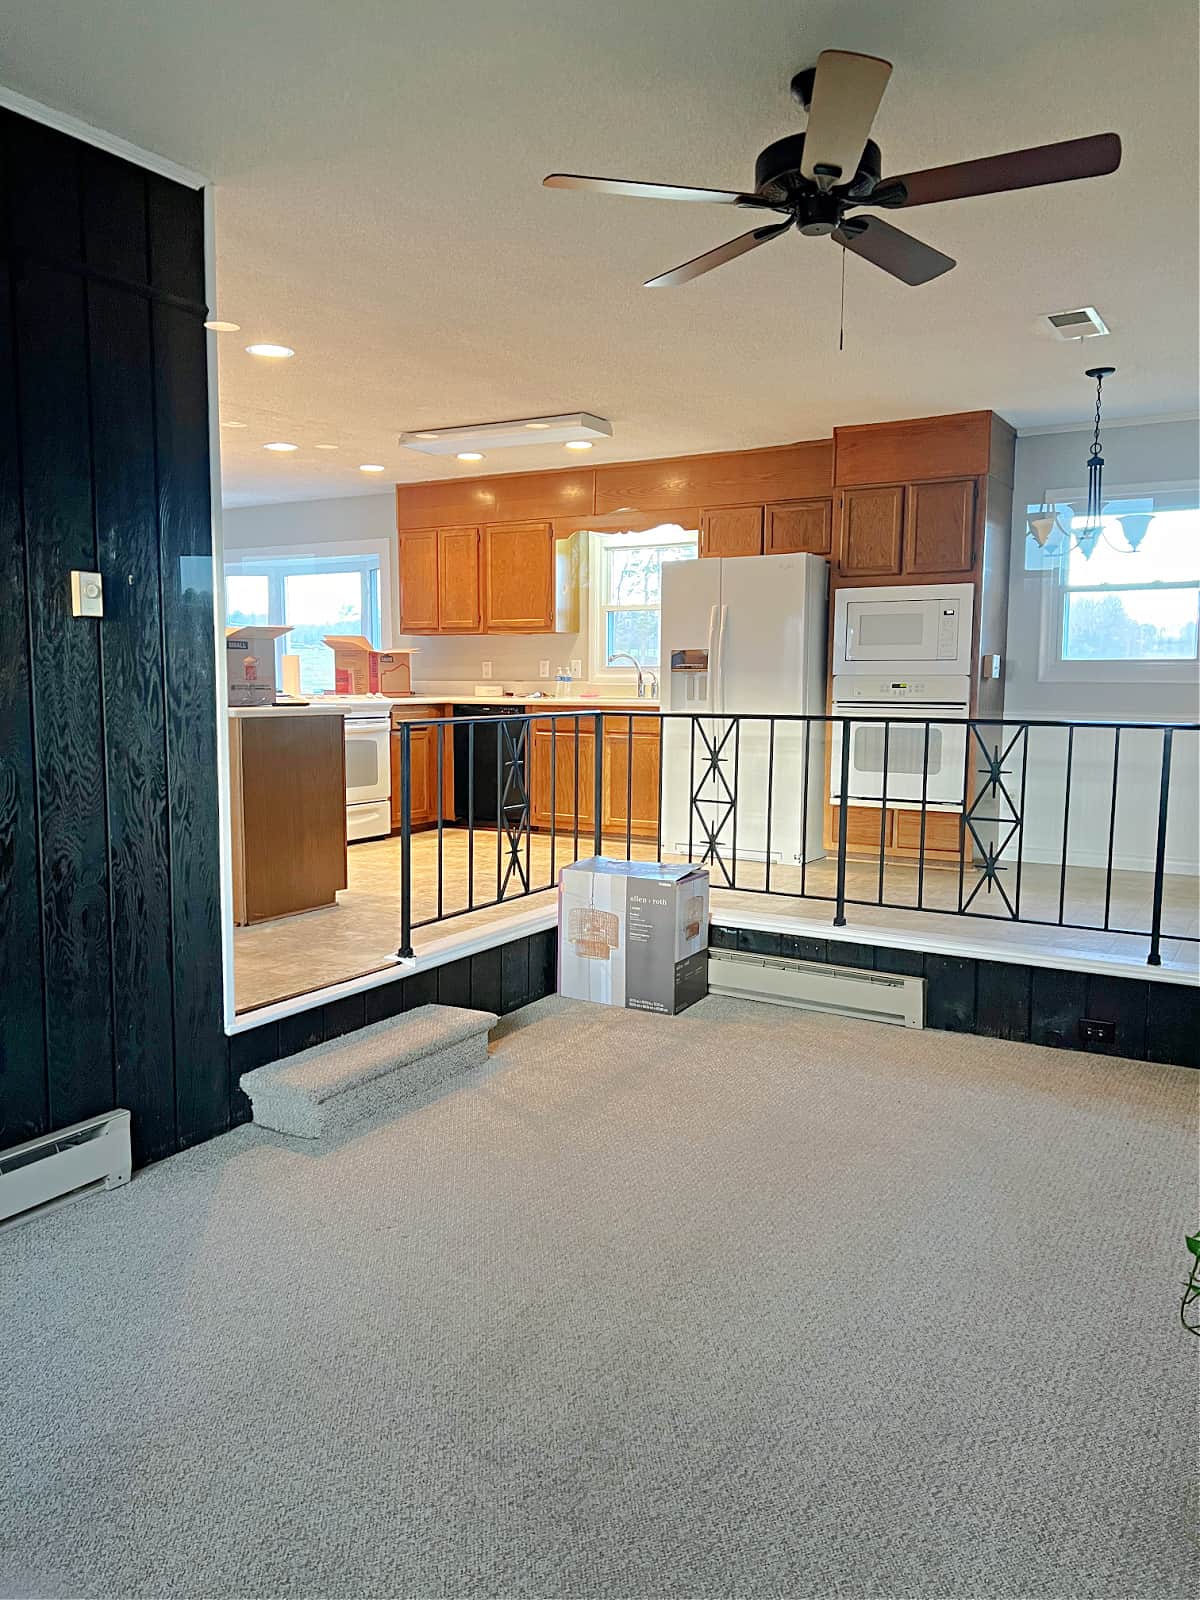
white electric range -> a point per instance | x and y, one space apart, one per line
368 725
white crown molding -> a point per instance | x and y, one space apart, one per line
1110 422
78 129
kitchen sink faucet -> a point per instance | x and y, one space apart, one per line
622 656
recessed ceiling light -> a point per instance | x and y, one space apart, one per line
578 444
325 447
233 424
470 455
223 327
370 466
280 445
274 352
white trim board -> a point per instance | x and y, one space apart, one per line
64 122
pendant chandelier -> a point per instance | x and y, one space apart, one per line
1084 533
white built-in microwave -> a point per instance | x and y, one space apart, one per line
903 625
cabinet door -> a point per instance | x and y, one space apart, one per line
419 582
518 578
423 777
624 798
871 529
939 527
802 526
732 531
556 752
458 580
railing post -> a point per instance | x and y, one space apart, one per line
839 916
406 946
598 789
1154 959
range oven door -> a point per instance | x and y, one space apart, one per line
903 630
910 777
368 760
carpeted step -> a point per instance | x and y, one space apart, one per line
363 1076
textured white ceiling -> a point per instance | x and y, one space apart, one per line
378 166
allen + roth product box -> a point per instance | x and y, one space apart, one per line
633 933
250 664
358 668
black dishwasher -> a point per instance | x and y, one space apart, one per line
494 751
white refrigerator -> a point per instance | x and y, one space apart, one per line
744 639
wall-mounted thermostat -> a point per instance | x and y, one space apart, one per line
87 594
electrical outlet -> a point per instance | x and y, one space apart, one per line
543 669
485 669
577 669
1093 1032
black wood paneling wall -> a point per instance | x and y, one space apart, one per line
110 958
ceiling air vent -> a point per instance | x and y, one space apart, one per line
1085 323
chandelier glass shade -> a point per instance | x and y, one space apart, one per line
1045 524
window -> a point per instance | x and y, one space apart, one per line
316 595
1123 603
626 571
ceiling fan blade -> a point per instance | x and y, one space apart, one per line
892 249
654 191
1092 157
718 257
846 93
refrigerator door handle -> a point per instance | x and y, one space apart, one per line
710 673
720 684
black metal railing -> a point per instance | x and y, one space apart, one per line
1056 824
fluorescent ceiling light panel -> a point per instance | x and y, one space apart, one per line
520 432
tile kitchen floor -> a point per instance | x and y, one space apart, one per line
292 955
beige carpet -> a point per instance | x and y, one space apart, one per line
744 1303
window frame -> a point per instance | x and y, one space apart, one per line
284 561
600 543
1053 667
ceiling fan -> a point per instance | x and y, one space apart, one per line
813 179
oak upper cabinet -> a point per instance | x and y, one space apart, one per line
732 531
801 526
419 582
872 531
458 580
518 578
939 527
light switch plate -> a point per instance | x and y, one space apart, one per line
543 669
485 669
87 594
577 669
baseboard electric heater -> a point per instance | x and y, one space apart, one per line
58 1166
847 991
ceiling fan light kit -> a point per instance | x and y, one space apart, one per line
813 179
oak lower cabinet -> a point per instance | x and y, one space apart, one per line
898 831
630 777
554 800
423 777
732 531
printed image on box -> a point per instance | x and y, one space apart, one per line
633 933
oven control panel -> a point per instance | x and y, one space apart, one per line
902 689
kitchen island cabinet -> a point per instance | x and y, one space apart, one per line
287 810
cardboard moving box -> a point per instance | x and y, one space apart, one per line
250 664
633 933
358 668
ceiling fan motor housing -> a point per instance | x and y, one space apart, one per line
777 176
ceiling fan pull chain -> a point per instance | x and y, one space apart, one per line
842 315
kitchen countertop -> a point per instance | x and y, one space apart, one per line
286 710
620 703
